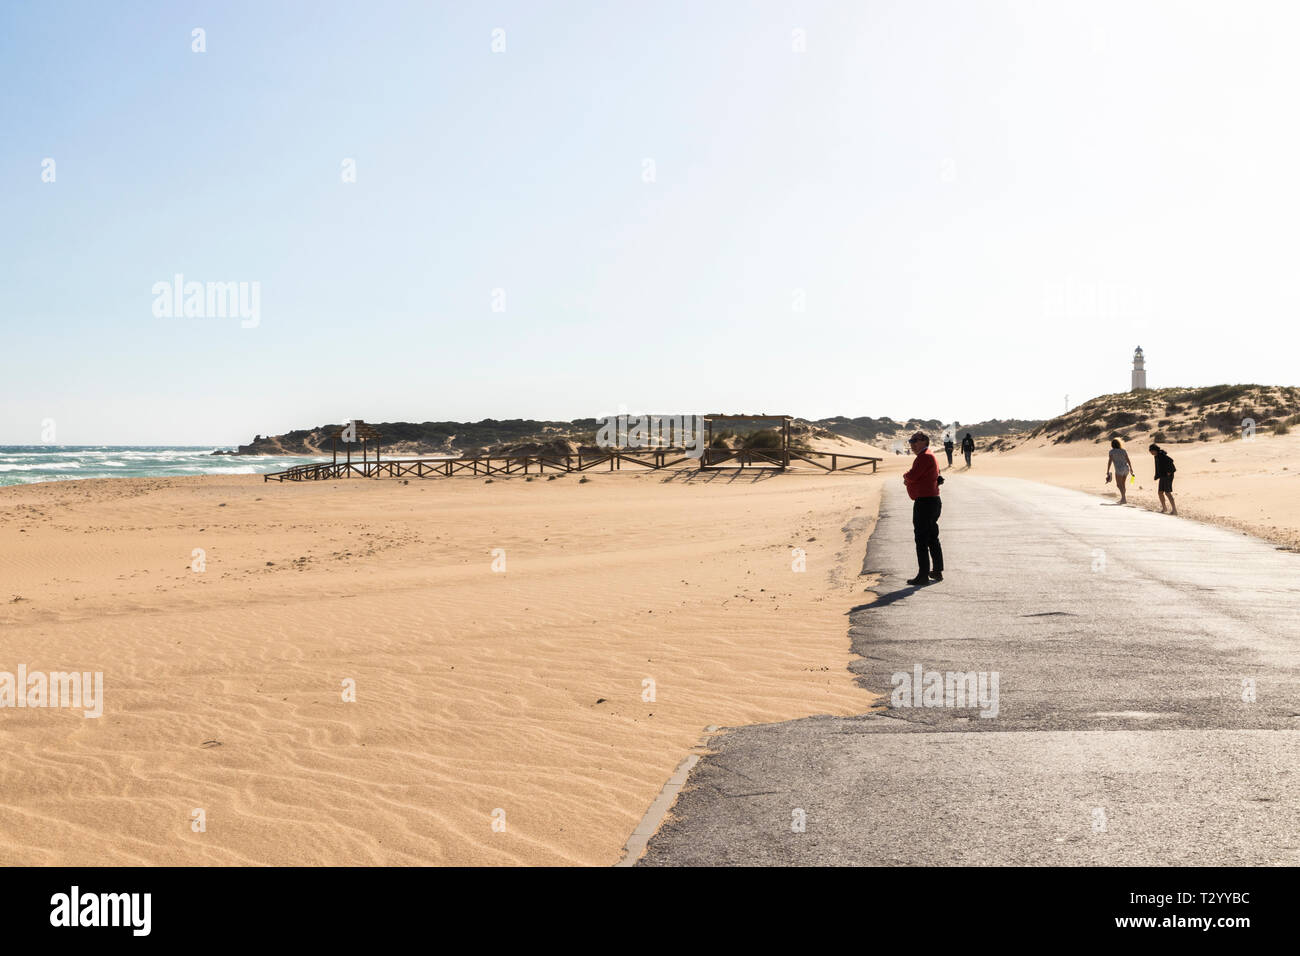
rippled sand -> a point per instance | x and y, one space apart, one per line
476 691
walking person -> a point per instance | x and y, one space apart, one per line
922 482
948 447
1119 460
1165 478
967 446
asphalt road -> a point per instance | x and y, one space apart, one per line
1147 709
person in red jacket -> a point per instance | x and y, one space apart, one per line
922 481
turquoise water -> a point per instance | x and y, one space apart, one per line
24 464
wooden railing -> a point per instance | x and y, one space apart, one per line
614 459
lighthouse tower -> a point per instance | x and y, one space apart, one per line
1139 371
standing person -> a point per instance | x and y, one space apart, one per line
948 446
1165 476
922 481
1119 460
967 446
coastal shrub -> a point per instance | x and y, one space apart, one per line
1281 428
1226 422
1143 426
1216 394
1172 409
1083 433
766 438
1121 419
1203 436
1165 422
1158 437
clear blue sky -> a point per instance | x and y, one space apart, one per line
986 204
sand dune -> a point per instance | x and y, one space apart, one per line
476 690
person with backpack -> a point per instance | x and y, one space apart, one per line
922 481
948 446
1165 478
967 446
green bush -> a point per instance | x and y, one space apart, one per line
1215 394
1082 433
764 439
1225 422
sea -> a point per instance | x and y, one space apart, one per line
25 464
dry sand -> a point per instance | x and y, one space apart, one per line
476 690
1253 486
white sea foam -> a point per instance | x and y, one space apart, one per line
29 464
40 466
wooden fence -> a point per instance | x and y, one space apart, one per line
486 465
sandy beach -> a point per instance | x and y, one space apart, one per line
1250 485
477 691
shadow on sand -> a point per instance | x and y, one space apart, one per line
727 475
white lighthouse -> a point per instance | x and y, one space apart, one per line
1139 371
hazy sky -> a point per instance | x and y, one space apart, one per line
940 209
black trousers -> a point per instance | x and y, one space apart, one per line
925 527
966 452
948 452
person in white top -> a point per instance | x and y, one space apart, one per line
1123 468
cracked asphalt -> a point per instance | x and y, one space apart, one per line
1147 712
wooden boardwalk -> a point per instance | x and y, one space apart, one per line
614 460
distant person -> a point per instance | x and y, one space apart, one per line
922 482
1165 478
1119 460
967 447
947 448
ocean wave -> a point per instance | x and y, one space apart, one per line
41 466
28 464
219 470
